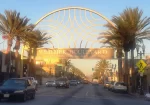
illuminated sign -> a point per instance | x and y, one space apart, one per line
76 53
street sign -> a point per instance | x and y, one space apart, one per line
141 71
141 65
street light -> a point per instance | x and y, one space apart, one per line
141 74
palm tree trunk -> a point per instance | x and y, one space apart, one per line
9 44
126 68
119 53
29 58
120 69
17 47
133 71
34 61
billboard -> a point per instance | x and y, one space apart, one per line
75 53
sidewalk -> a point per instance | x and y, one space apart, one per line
136 95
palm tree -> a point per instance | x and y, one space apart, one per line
77 72
117 44
109 38
34 39
13 26
101 67
130 26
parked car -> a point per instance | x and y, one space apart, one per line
85 81
106 85
79 81
50 83
73 82
18 88
119 87
147 96
110 86
62 82
33 80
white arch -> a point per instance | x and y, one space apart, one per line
81 8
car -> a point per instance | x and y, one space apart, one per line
33 80
85 82
147 96
79 82
18 88
73 82
62 82
110 86
119 87
50 83
106 85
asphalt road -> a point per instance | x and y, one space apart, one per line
79 95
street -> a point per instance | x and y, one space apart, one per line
86 94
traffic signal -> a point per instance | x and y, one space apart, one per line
24 70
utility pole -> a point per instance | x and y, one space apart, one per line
141 74
141 77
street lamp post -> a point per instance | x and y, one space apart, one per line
141 74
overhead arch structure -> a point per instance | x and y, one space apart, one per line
73 27
74 33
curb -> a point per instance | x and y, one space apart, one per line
136 95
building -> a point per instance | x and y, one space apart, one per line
9 65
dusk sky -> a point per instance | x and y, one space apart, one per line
35 9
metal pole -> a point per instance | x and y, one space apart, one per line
141 76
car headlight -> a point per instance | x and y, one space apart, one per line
19 91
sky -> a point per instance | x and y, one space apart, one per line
35 9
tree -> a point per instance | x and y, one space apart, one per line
116 44
100 69
130 26
75 72
13 26
34 39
